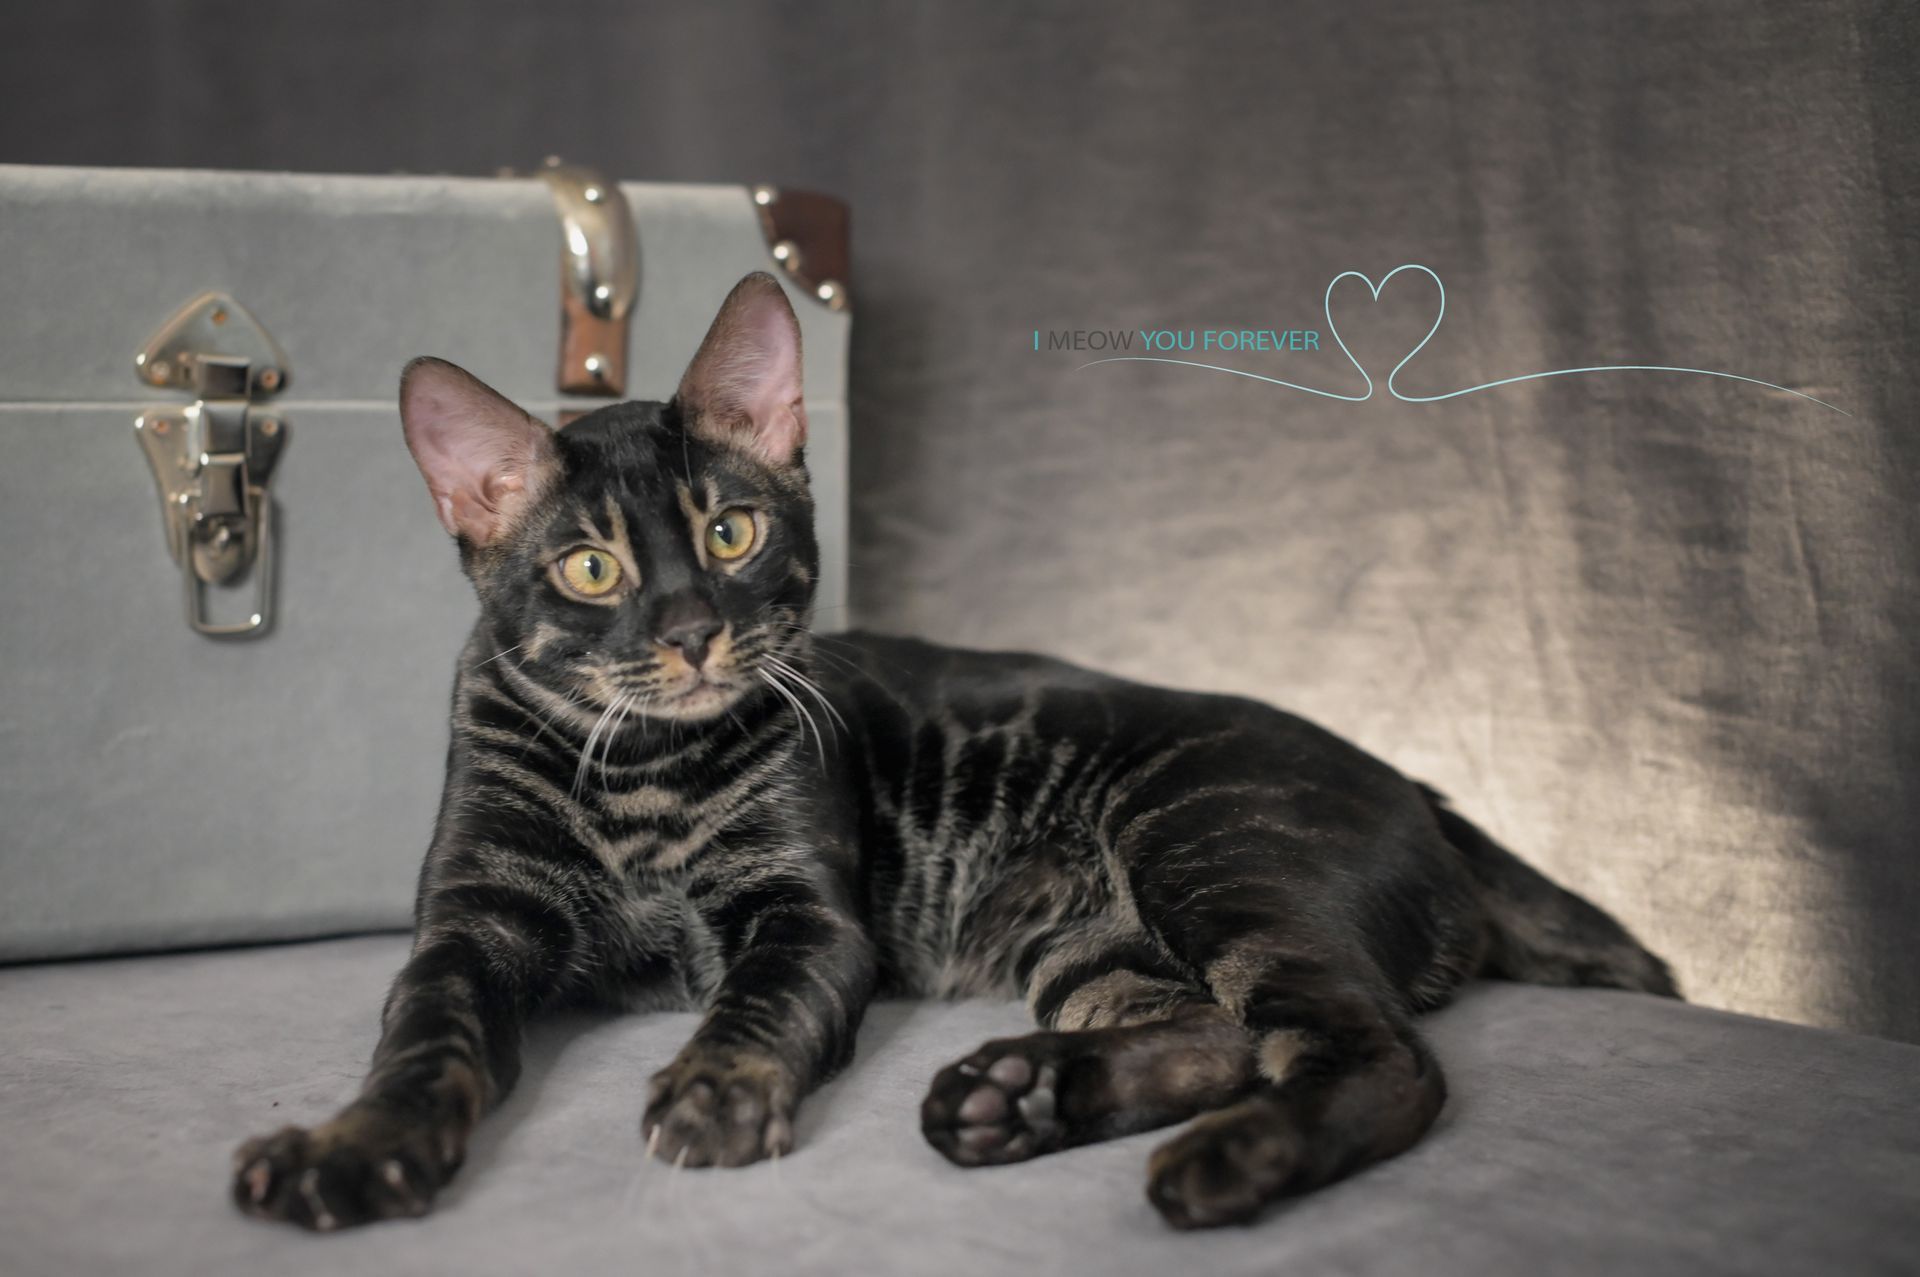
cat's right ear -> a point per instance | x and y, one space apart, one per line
484 459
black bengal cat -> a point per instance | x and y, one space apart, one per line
664 791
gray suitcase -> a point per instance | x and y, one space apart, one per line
197 377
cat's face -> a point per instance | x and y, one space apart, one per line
652 559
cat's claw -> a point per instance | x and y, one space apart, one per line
711 1110
999 1105
337 1175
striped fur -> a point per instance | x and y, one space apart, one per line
1211 907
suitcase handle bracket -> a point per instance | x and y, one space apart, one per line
599 278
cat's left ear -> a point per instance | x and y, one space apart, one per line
742 389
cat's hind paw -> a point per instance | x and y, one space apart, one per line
999 1105
1225 1167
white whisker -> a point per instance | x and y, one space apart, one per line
497 655
586 753
606 750
809 686
772 680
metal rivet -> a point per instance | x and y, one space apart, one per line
270 427
602 292
161 370
787 253
270 379
595 366
832 294
160 427
765 195
219 315
591 195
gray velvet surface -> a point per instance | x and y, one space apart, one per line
1654 631
162 789
1588 1132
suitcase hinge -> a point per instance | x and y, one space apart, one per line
808 235
214 458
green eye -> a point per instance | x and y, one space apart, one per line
590 572
731 535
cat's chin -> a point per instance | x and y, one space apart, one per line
702 701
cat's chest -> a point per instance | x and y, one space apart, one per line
644 833
652 949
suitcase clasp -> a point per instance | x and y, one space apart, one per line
214 458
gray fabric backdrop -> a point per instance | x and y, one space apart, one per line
1655 630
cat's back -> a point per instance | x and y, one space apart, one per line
921 675
898 683
898 689
966 722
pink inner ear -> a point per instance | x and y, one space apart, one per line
744 386
771 394
482 456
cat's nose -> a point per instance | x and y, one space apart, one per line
689 629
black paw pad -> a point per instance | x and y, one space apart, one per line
1000 1104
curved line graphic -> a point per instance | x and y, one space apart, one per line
1326 307
1569 372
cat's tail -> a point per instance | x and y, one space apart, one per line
1540 932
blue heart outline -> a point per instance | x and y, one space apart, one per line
1326 309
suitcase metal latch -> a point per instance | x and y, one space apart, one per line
213 458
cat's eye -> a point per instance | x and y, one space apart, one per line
731 534
590 572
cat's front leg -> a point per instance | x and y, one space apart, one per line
449 1050
799 974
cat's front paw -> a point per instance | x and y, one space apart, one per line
358 1168
712 1108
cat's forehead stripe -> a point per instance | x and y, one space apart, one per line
586 521
695 513
693 506
706 502
617 536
